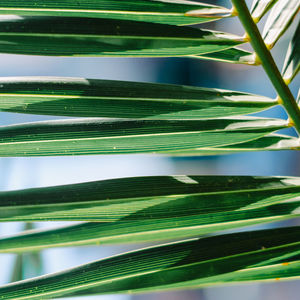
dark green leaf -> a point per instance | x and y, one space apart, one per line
168 12
190 200
208 261
97 136
65 36
120 99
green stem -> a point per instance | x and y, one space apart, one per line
268 63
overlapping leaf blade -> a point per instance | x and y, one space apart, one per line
190 200
260 7
291 65
233 55
271 142
276 272
119 136
168 12
205 260
65 36
279 20
120 99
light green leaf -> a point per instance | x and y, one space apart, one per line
291 65
206 260
271 142
279 19
148 208
65 36
168 12
198 200
233 55
260 8
298 96
120 99
119 136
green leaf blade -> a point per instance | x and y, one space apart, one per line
233 55
279 20
176 202
157 267
167 12
82 97
98 136
291 64
271 142
260 7
62 36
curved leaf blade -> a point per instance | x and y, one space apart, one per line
279 20
260 7
120 99
173 201
71 36
157 267
291 64
98 136
167 12
283 271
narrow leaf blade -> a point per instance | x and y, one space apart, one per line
98 136
260 7
173 201
168 12
120 99
271 142
291 65
279 20
155 268
74 36
233 55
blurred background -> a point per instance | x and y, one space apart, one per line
19 173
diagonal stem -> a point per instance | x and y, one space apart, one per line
286 97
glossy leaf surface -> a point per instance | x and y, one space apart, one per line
233 55
209 260
271 142
260 7
98 136
279 19
168 12
291 65
67 36
120 99
199 200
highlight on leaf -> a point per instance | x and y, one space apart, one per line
76 36
197 262
119 136
157 11
82 97
279 20
133 210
